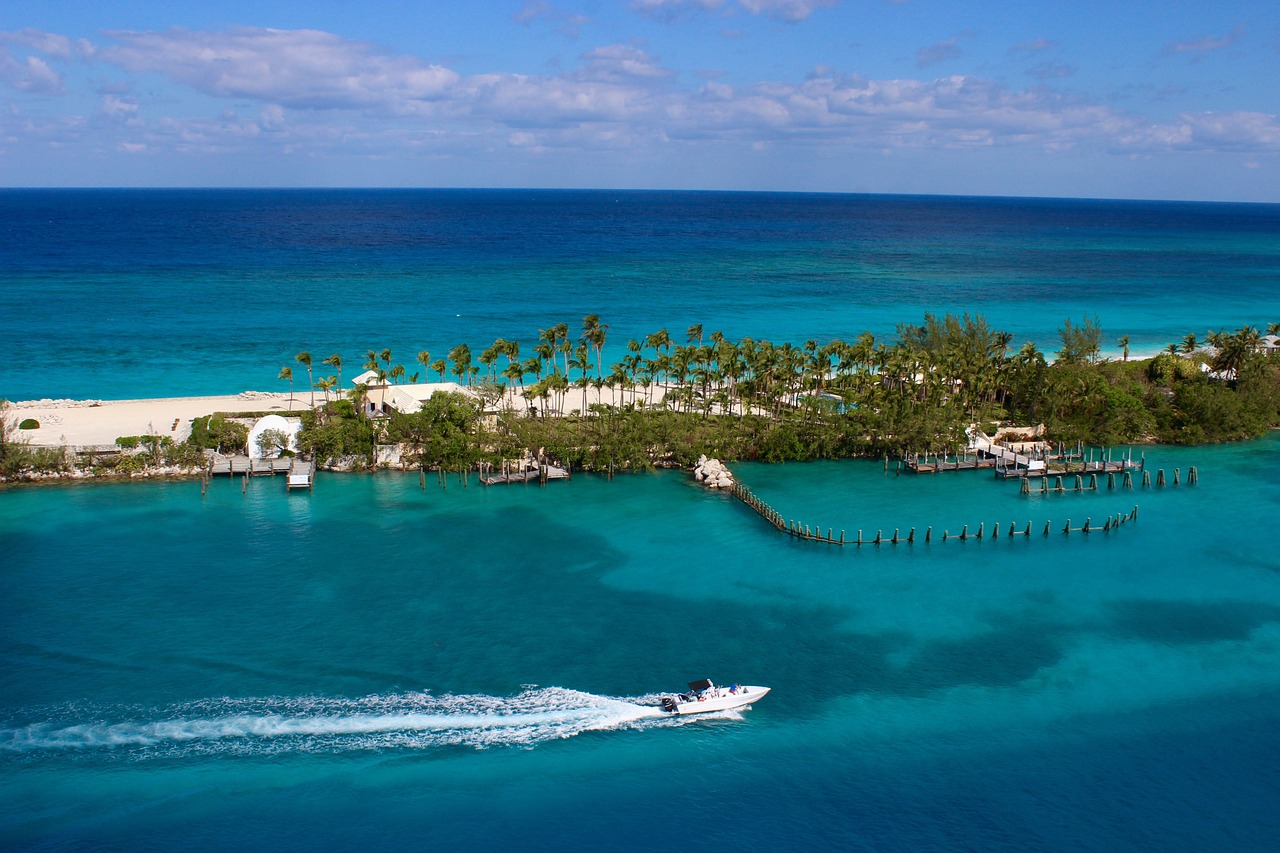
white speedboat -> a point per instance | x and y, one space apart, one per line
703 696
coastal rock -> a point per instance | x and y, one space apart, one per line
713 474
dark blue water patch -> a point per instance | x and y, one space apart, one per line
1183 622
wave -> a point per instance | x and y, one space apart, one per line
319 724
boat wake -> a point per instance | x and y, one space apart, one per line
316 724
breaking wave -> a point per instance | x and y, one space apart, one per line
316 724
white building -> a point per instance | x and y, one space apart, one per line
381 398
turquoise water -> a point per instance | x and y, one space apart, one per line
116 294
376 665
373 663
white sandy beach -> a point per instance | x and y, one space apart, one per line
81 423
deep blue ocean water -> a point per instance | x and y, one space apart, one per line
122 293
376 666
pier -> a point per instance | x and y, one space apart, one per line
522 471
1091 484
1041 460
298 473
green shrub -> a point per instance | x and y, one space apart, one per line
29 423
214 432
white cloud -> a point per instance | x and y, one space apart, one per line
792 11
50 44
619 62
297 68
118 108
316 92
35 76
786 10
1239 131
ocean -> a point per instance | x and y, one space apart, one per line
374 665
118 294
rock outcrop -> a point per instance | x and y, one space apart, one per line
713 474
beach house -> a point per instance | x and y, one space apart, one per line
382 397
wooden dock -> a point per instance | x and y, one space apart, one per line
523 471
1006 462
299 473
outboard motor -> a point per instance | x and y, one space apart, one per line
668 704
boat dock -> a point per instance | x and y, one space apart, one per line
299 473
524 470
1027 459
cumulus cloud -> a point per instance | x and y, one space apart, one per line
313 91
1239 131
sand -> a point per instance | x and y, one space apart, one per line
83 423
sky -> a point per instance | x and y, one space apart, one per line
1060 98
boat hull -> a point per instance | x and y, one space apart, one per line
725 701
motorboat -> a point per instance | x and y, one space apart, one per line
704 696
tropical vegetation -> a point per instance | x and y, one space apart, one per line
749 398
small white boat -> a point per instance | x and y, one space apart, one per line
703 696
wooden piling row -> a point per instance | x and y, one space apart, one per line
799 530
1193 477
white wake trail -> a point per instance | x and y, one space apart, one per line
317 724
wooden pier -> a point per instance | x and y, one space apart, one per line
299 473
1010 463
1081 484
522 471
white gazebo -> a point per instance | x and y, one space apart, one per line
289 426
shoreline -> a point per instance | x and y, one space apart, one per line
98 423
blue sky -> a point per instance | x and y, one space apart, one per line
1081 99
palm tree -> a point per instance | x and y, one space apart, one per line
335 361
561 333
1124 346
326 385
424 358
1189 343
582 360
594 332
440 366
287 373
461 358
304 358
